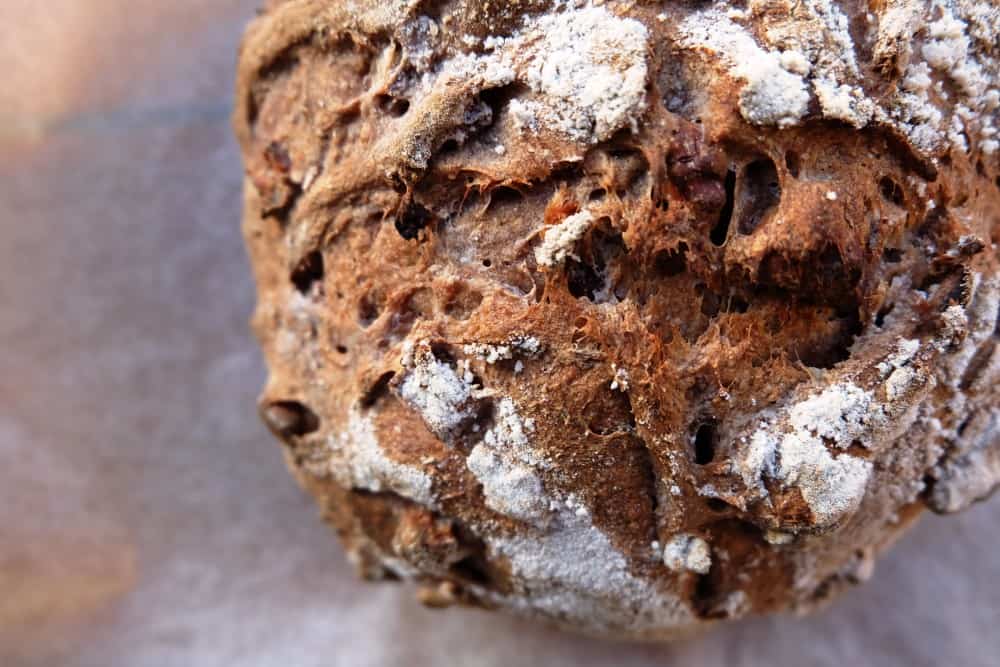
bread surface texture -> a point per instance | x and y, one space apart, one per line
628 316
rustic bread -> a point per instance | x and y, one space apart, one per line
627 315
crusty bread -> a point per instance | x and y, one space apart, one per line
627 315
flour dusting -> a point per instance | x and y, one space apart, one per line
799 457
560 239
491 353
442 395
772 95
360 463
586 70
688 553
509 487
590 69
570 567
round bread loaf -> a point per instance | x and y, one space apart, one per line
627 315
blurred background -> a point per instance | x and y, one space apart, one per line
146 516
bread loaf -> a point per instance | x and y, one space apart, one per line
631 316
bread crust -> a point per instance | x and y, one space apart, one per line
629 316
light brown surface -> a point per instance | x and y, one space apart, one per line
150 519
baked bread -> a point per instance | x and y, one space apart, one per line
627 315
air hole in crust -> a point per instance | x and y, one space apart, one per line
610 412
442 352
308 271
892 255
670 263
735 304
378 389
882 314
472 569
589 276
793 163
498 98
288 419
413 219
582 279
710 302
760 192
705 597
393 106
504 196
369 309
704 442
891 191
398 185
841 332
721 230
717 505
629 170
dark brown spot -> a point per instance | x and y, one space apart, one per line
277 158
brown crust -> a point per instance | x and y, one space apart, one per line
719 288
